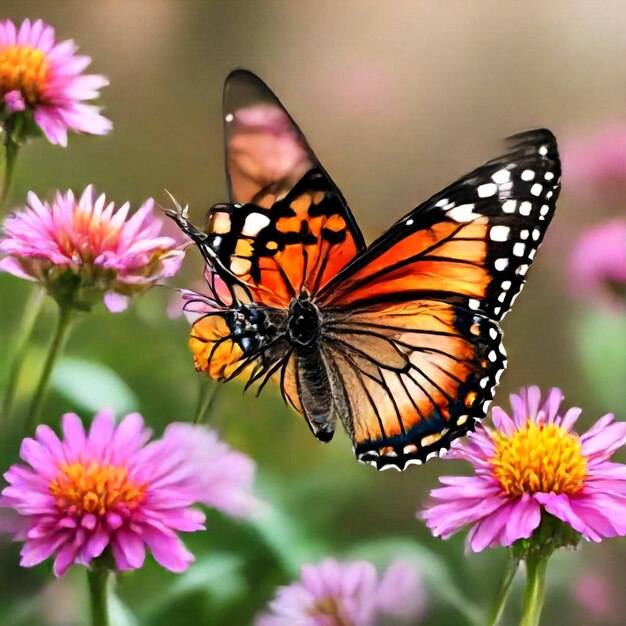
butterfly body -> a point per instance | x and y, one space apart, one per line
400 340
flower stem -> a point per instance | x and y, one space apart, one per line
536 565
66 316
510 569
24 332
98 582
10 152
208 396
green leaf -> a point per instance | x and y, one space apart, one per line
218 575
92 386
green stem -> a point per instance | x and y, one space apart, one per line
24 332
536 565
98 582
207 399
510 569
66 315
10 149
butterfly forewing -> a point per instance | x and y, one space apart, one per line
288 228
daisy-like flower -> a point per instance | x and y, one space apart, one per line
598 263
534 462
42 82
111 489
81 250
347 594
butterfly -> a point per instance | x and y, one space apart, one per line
398 340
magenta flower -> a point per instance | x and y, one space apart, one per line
43 79
80 250
593 162
110 488
598 263
347 594
530 463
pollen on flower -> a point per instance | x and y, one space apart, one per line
95 489
539 458
24 69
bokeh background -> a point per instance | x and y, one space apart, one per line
397 99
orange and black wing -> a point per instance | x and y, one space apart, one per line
412 321
287 227
299 243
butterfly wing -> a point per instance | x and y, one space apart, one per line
412 321
288 227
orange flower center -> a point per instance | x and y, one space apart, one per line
94 488
24 69
539 458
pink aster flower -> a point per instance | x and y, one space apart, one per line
104 250
598 263
347 594
110 488
534 462
43 78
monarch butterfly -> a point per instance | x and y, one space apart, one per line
400 339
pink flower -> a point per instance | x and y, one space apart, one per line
80 250
530 463
110 488
596 161
346 594
45 79
598 263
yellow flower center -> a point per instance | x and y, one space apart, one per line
94 488
539 458
24 69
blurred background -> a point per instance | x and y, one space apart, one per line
397 99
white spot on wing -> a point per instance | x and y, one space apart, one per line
509 206
519 249
501 176
536 189
473 304
463 213
254 223
528 175
499 233
487 190
525 208
501 264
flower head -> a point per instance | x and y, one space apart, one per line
598 263
110 488
42 83
530 463
80 250
346 594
